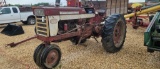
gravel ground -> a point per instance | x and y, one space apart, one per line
132 56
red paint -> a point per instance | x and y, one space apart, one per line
73 3
58 37
56 10
65 27
136 17
97 19
15 44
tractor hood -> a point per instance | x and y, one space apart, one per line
48 11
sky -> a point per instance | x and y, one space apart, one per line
50 1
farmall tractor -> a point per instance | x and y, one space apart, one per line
78 22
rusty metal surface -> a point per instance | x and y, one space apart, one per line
17 43
48 11
58 37
84 32
118 33
52 58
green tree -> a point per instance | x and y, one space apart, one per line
42 4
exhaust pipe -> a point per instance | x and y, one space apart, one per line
57 3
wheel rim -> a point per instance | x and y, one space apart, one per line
51 58
118 34
32 21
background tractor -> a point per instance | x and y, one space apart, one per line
77 23
152 34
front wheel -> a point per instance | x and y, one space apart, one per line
114 33
50 57
37 54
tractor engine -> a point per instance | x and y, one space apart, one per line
57 21
65 26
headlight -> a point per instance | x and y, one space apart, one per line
39 12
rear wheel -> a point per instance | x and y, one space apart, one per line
31 21
114 33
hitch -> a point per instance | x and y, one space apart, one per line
17 43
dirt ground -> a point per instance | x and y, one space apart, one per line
132 56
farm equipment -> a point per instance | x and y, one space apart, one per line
152 34
151 2
87 19
12 30
137 19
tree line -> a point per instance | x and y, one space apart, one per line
38 4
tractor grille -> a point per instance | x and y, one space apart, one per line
42 26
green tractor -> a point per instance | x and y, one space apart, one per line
152 34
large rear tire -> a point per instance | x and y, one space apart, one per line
114 33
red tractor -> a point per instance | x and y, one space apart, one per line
94 18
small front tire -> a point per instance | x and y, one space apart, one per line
37 54
50 56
